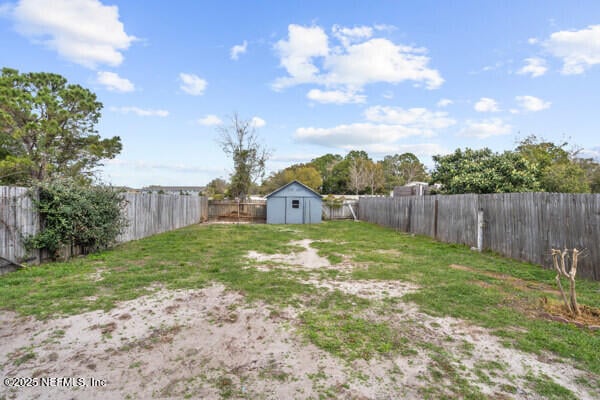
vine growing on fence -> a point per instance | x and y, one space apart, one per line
76 215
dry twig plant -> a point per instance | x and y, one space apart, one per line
566 266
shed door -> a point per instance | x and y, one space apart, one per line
307 211
295 210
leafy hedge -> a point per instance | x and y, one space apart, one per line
72 214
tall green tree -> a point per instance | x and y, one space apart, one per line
341 179
305 173
556 165
400 169
592 172
239 140
325 165
483 171
216 187
47 129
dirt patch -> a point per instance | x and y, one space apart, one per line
210 344
307 259
474 352
370 289
97 275
589 317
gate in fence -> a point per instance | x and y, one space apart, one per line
234 211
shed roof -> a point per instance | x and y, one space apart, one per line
291 183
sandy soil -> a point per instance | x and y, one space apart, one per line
306 259
210 343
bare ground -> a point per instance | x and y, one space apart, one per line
210 343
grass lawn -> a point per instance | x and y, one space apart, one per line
486 290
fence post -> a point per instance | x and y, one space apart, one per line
480 230
435 219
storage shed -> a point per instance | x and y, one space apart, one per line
294 203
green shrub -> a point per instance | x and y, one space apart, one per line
72 214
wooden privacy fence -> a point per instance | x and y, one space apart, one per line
523 226
151 213
232 210
147 214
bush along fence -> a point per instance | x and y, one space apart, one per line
145 214
523 226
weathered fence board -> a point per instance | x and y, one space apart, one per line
18 220
523 226
147 214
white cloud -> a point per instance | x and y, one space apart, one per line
357 134
141 112
335 96
113 82
210 120
296 54
579 50
360 61
486 104
385 27
258 122
532 103
238 49
534 66
86 32
485 128
444 103
533 40
349 35
419 149
192 84
385 127
380 60
427 122
293 158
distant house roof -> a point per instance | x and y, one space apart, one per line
415 183
291 183
175 188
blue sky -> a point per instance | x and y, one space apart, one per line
315 77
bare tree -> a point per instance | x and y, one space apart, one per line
358 175
375 178
239 140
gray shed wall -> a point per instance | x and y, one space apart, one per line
281 211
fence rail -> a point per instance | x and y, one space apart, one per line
147 214
523 226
